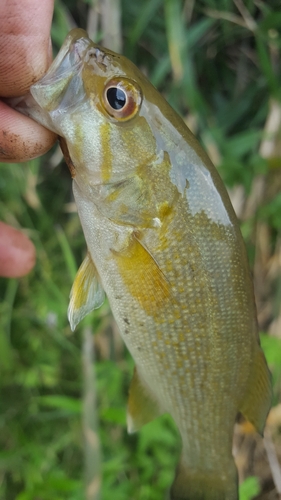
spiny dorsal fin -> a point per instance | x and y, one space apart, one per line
86 292
142 407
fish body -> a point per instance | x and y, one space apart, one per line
164 244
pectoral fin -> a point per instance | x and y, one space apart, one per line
142 407
258 398
143 277
86 292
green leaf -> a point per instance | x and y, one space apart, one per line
272 349
175 35
249 488
65 403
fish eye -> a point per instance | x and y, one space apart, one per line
122 98
116 97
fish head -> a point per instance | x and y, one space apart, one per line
96 100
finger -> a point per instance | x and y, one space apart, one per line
26 53
17 253
21 138
25 46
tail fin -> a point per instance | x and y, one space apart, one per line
199 485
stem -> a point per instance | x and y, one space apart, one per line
91 439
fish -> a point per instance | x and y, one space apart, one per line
164 245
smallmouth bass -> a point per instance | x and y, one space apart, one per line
164 244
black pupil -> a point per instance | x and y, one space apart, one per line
116 97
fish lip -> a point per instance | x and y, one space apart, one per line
49 91
75 45
68 62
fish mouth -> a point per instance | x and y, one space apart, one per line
62 87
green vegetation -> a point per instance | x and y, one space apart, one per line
218 63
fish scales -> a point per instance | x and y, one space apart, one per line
164 243
142 340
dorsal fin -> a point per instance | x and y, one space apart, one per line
258 398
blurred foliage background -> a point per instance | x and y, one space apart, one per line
218 63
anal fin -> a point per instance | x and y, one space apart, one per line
142 407
258 398
86 292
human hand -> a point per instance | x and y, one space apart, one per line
25 54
